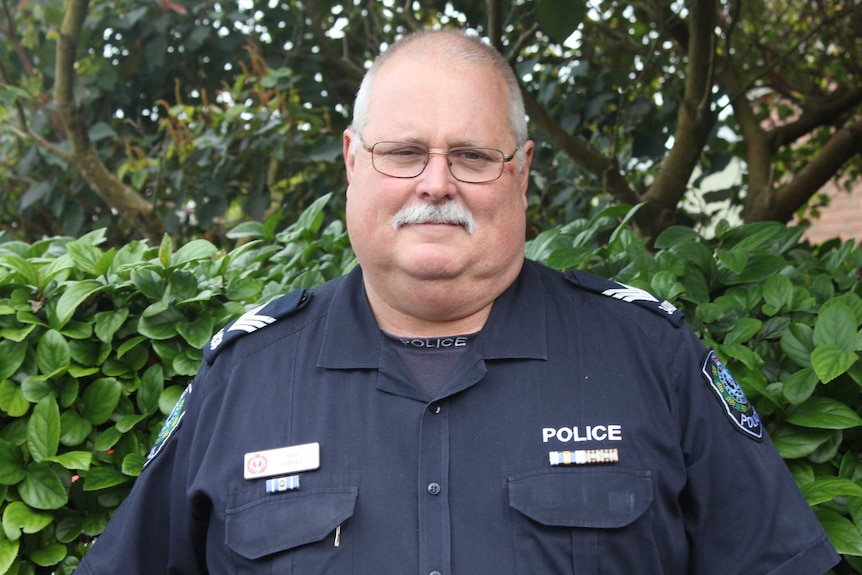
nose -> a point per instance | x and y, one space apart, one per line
436 183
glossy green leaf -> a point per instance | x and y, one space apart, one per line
844 535
187 362
830 361
42 488
13 354
84 255
150 283
132 464
75 460
797 343
795 442
108 322
165 250
74 429
169 398
778 292
193 250
100 399
733 260
12 399
824 413
48 555
152 384
19 518
52 354
758 268
836 326
68 528
73 296
11 463
43 429
162 325
107 439
8 554
102 478
560 18
743 331
198 331
800 385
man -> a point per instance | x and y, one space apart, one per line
448 407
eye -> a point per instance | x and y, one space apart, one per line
471 155
401 151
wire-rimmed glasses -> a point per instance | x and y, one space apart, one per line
466 164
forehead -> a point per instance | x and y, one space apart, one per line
439 99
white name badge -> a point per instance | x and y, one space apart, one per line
282 461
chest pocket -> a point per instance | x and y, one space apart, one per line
576 521
294 532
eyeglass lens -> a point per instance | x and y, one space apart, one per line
405 160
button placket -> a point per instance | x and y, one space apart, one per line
434 526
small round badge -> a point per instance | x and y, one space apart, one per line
256 464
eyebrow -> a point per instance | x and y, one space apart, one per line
424 142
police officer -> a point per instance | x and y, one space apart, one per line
450 408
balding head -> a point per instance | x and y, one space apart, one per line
444 45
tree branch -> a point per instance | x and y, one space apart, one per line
26 134
131 206
580 151
824 113
694 121
839 149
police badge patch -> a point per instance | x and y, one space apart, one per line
736 405
172 423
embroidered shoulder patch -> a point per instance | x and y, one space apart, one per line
253 320
172 423
736 405
627 294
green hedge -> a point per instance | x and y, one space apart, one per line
97 344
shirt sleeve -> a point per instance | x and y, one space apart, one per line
744 512
155 529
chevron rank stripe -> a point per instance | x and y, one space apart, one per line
630 294
626 293
251 321
254 320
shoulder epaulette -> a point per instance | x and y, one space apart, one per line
253 320
626 293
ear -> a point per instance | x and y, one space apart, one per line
347 152
529 148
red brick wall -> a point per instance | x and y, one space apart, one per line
842 218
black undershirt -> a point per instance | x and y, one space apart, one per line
432 360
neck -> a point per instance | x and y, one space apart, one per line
423 308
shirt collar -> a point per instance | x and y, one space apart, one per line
515 329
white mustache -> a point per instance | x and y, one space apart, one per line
425 213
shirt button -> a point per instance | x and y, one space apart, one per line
434 488
435 573
435 408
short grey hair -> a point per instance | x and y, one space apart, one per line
458 46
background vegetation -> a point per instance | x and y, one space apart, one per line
152 152
144 117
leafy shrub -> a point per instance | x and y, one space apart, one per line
96 346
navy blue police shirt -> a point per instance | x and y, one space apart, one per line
579 434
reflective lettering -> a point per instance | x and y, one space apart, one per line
578 434
600 433
438 342
751 422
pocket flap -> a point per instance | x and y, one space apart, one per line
277 523
582 498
